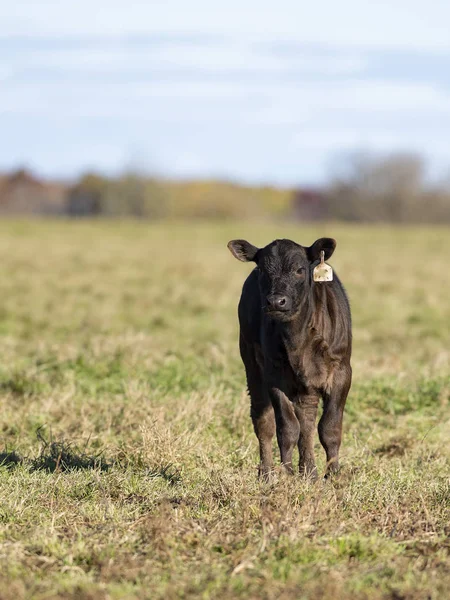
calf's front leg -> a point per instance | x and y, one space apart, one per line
330 424
264 425
287 426
306 411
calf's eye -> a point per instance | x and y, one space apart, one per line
300 271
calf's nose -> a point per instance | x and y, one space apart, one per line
278 302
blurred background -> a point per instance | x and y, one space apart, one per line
313 111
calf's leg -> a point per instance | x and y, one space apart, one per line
330 424
264 425
261 410
287 426
306 411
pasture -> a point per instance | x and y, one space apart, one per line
129 459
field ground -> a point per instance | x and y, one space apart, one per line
129 460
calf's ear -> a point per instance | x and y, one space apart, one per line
326 244
242 250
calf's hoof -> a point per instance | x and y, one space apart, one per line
308 472
332 469
266 473
286 468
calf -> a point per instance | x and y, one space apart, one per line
295 343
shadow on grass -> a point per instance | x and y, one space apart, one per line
167 472
56 456
10 459
63 456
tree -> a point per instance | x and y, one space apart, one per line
372 188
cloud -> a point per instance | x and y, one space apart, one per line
399 23
202 59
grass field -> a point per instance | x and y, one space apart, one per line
129 459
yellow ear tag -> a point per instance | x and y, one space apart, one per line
323 272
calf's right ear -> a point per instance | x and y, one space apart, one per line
242 250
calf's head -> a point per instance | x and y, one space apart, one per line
285 270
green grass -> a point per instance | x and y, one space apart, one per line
128 455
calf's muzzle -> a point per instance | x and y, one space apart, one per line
278 302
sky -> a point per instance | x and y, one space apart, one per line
254 91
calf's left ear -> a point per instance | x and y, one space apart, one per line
242 250
326 244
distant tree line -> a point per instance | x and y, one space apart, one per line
139 196
391 189
363 187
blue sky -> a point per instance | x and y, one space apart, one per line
251 90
